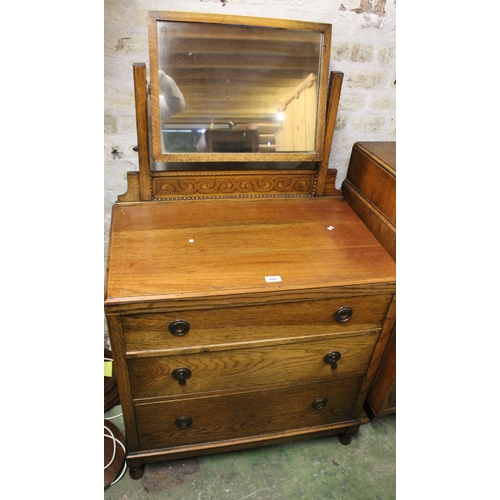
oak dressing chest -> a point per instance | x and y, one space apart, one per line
246 306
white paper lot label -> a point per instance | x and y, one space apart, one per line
273 279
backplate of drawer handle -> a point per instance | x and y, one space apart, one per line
179 327
181 375
331 359
183 422
343 314
319 404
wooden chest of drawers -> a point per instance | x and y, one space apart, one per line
370 189
240 323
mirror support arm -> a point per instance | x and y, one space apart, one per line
141 107
334 88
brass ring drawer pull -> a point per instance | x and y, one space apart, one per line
331 359
319 404
181 375
343 314
178 327
183 422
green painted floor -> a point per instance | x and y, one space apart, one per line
314 469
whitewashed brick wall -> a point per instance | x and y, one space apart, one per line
363 48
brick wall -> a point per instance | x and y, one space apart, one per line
363 48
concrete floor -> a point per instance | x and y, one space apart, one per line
314 469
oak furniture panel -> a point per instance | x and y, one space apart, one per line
370 189
249 366
237 323
149 333
247 303
246 414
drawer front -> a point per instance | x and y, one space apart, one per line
198 328
334 359
242 415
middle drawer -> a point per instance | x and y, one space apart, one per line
247 367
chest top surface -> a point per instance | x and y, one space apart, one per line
381 152
168 251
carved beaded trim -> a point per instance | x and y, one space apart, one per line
235 196
227 186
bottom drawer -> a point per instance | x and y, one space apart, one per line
241 415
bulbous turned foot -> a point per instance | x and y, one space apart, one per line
345 440
136 472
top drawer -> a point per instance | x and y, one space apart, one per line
190 329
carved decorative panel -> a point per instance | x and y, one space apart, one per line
232 184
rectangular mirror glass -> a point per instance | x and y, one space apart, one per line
227 88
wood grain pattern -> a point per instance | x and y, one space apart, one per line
138 458
374 177
255 348
123 380
250 367
243 414
381 227
148 335
335 87
141 112
236 245
133 189
382 396
378 354
330 181
370 189
381 152
224 184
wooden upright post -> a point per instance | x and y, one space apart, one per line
335 86
141 115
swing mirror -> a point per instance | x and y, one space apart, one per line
237 89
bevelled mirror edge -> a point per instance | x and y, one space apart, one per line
256 156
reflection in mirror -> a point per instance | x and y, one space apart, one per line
226 88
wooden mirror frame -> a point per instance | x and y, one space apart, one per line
196 180
155 17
